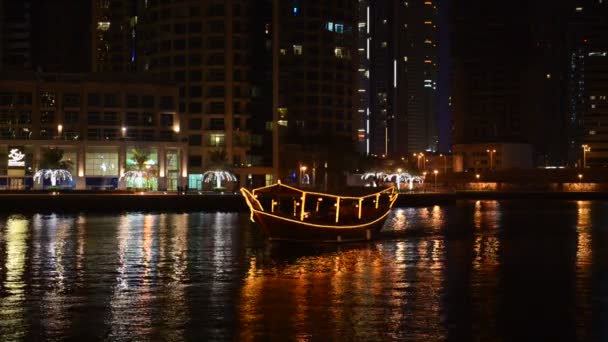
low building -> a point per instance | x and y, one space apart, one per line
491 156
109 131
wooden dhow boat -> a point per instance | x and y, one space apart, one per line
288 213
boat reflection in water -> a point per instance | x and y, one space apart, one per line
512 271
287 213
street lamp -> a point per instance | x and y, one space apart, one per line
580 177
477 176
424 177
124 131
59 130
302 173
491 152
435 172
586 148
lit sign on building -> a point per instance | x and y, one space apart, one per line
16 158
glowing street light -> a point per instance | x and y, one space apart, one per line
586 148
59 130
477 176
435 172
302 173
580 177
491 152
124 131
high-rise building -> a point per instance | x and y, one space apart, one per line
398 74
263 144
588 84
203 46
15 34
509 72
316 63
32 37
113 28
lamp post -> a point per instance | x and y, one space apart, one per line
302 173
435 172
491 152
325 178
124 131
580 177
59 130
424 177
586 148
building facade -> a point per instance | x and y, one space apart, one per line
398 76
15 34
491 156
588 84
316 62
111 131
204 47
509 72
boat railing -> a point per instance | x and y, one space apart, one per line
345 209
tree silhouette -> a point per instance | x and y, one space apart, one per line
52 158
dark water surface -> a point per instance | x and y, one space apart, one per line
486 270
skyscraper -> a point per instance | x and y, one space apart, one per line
588 84
398 75
509 82
15 34
203 46
114 35
316 59
32 37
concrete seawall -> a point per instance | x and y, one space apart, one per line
75 202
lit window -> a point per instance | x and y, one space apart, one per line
384 44
283 52
341 52
297 49
296 11
103 25
330 26
579 9
548 76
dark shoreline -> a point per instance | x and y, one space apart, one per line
230 202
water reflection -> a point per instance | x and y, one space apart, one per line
482 270
15 235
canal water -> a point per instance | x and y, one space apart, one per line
474 270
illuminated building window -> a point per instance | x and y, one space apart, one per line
297 49
216 140
103 25
341 52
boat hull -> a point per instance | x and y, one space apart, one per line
281 229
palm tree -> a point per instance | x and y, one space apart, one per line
53 167
218 171
218 158
140 156
52 158
141 171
